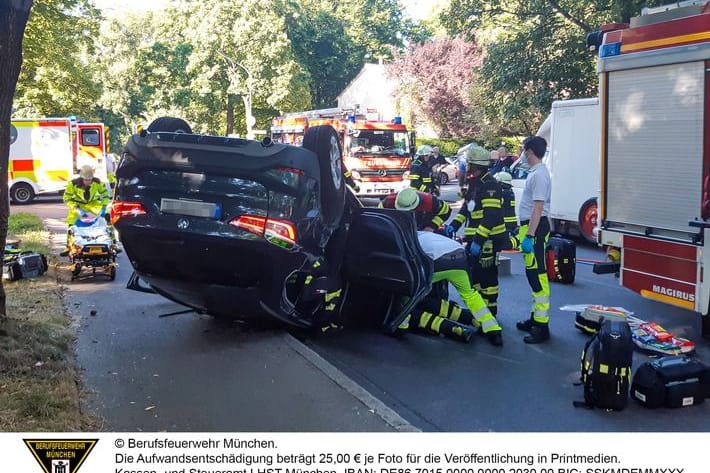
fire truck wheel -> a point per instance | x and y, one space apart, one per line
171 124
22 193
588 220
324 142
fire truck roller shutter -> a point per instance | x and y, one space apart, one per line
642 147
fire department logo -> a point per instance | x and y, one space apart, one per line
60 456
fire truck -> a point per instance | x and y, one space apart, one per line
377 153
654 84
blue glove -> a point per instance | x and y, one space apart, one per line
474 249
103 211
83 213
527 245
449 230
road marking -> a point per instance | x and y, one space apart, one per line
378 407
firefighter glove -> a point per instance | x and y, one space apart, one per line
103 211
527 245
474 249
449 230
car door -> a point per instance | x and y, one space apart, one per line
383 256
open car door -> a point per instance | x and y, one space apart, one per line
384 262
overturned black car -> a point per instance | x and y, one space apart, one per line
252 230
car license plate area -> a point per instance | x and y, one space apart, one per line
193 208
383 189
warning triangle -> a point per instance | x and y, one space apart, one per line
60 456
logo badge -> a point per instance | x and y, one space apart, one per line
382 172
183 223
60 456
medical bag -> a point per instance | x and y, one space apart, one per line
671 381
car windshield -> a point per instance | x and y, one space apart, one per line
382 142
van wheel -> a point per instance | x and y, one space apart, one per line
22 193
169 124
323 141
588 220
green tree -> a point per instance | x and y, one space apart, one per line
535 52
13 20
57 73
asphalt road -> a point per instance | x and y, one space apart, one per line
189 373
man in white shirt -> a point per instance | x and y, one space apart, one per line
534 232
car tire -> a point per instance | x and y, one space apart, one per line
21 193
170 124
588 220
323 141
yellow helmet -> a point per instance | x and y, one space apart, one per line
407 199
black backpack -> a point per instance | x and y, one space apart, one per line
606 367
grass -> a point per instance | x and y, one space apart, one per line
39 382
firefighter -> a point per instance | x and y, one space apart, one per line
485 233
420 174
451 264
429 210
533 234
441 317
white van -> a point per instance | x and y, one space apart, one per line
572 132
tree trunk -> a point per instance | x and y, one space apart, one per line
230 115
13 19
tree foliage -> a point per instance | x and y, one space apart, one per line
438 76
57 72
535 52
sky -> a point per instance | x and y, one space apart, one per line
417 9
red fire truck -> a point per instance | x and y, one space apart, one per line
654 78
377 153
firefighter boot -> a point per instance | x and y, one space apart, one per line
525 325
538 333
456 330
494 337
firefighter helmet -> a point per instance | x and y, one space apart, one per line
477 156
407 199
424 150
504 178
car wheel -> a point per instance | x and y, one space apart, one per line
171 124
588 220
324 142
22 193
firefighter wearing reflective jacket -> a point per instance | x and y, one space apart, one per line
420 173
429 211
485 233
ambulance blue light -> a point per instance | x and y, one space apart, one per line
611 49
397 120
351 118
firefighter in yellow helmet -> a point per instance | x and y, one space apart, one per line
485 233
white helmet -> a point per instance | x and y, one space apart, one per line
504 178
477 156
424 150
